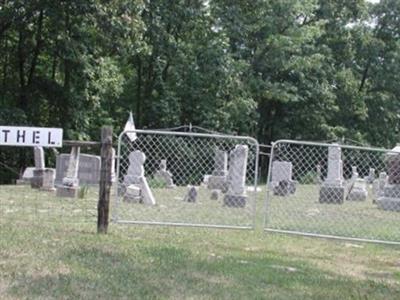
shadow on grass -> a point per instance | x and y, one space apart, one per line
171 272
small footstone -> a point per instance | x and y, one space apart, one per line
133 194
215 194
191 195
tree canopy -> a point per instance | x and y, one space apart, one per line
301 69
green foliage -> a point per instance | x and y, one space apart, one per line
311 69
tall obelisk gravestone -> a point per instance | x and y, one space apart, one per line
333 189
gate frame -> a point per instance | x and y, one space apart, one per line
308 234
117 198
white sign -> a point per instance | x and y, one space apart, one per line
30 136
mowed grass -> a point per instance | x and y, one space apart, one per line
49 249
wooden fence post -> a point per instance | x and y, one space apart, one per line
103 206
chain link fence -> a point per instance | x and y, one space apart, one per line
184 178
334 190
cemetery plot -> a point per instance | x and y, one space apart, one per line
339 191
186 179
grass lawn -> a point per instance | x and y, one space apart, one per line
49 249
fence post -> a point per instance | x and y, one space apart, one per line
105 180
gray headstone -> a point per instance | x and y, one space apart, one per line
281 178
378 185
215 194
335 165
70 183
390 200
359 191
191 194
236 179
217 179
88 169
163 175
333 190
39 158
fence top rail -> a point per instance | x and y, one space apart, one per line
192 134
328 145
73 143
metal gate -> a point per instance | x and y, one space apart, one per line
332 190
184 179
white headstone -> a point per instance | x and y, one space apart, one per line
335 165
135 176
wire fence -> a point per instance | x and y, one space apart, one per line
334 190
185 178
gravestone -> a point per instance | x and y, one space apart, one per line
37 179
163 175
281 178
26 177
88 170
218 177
133 194
236 179
371 176
215 194
191 194
70 183
358 190
390 200
379 185
135 179
332 189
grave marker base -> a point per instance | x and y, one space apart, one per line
331 194
235 201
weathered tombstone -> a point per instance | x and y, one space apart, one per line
378 186
236 179
281 178
371 176
215 194
37 179
48 180
133 194
191 194
135 176
332 189
359 191
26 177
390 200
218 177
88 171
318 175
163 175
70 183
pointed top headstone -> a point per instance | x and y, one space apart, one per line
130 128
